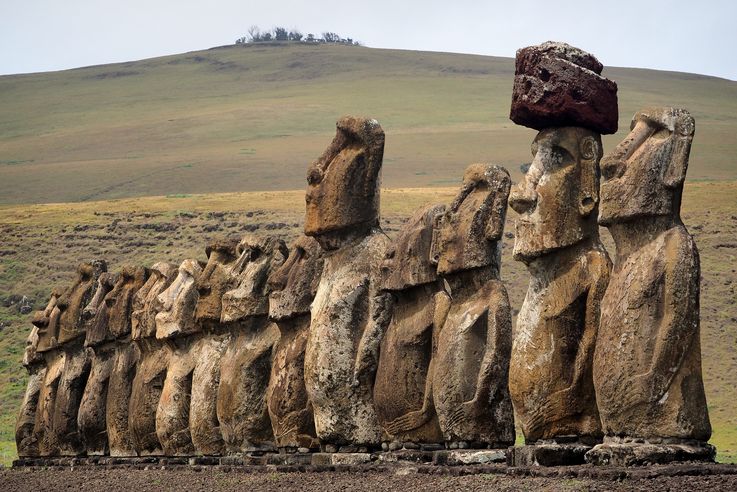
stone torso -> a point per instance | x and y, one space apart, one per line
635 312
340 312
545 351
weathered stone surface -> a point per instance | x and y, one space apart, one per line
120 299
91 415
403 384
349 313
246 365
548 454
71 385
462 457
558 85
557 238
47 322
472 315
26 439
293 287
216 279
76 297
48 444
154 359
176 319
343 184
647 367
178 302
617 451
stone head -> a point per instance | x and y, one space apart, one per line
343 184
643 176
76 297
258 257
468 234
178 302
96 312
45 323
146 301
216 279
294 284
119 300
407 262
558 197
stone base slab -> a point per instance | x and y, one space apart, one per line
644 453
552 454
462 457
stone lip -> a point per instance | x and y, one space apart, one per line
556 84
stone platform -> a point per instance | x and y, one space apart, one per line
633 453
401 463
548 454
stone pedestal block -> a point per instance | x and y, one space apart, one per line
621 453
548 455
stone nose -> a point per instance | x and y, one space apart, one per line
522 198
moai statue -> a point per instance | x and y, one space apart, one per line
48 333
403 387
207 352
246 365
473 317
26 440
558 91
349 312
647 364
68 366
77 360
120 298
174 322
91 416
154 359
293 287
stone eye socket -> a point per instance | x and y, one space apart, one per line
661 134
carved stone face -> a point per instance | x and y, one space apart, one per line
216 279
257 258
468 233
557 198
96 313
408 261
38 339
146 301
343 184
120 300
76 297
178 302
294 284
47 322
644 174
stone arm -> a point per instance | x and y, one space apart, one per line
417 418
678 327
381 307
494 368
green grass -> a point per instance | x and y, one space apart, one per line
253 117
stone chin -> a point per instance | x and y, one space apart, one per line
533 241
622 202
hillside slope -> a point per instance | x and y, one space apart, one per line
246 118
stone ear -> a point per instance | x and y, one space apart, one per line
495 225
674 171
435 243
588 195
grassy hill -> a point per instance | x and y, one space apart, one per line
248 118
151 147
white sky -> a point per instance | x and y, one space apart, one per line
698 36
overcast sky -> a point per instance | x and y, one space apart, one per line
698 36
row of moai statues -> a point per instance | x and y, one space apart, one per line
349 341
